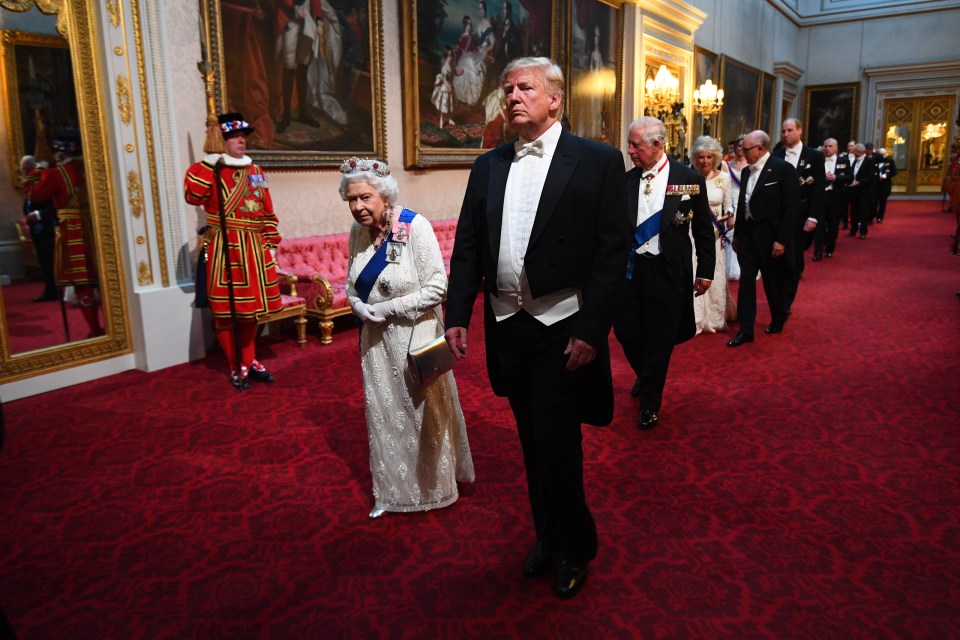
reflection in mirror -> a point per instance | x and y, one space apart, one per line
51 297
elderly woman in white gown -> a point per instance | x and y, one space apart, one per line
396 281
711 308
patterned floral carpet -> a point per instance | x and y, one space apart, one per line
804 486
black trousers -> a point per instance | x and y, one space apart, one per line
648 322
886 187
825 236
754 244
859 209
546 402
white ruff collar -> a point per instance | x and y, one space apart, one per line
228 160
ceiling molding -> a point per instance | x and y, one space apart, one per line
831 11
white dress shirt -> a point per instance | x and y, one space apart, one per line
755 171
793 154
649 203
528 173
829 166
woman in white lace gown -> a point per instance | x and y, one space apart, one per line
395 284
734 167
711 308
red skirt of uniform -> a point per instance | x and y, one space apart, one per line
75 258
255 285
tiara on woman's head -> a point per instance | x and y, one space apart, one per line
354 165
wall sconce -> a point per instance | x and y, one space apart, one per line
707 100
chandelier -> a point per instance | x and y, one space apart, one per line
662 91
708 99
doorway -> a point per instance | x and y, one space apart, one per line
917 136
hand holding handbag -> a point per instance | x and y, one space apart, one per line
429 362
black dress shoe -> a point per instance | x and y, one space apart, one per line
635 389
776 327
539 560
817 257
863 236
853 232
829 254
47 297
570 579
261 375
739 339
648 420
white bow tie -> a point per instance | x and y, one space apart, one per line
534 147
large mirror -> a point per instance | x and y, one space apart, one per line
62 299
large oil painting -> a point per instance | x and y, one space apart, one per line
741 100
454 52
307 74
829 111
593 86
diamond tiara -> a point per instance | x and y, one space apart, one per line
354 165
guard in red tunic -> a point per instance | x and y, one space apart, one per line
251 229
75 259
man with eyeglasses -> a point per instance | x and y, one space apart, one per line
764 236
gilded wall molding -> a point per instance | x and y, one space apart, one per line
113 8
123 100
136 194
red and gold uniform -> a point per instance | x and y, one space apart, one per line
75 256
251 231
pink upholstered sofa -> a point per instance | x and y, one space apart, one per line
319 264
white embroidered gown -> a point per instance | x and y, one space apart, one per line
418 438
710 309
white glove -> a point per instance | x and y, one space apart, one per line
33 215
365 312
386 308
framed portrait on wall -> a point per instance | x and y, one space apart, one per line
308 76
830 111
741 101
768 118
453 54
594 67
39 94
706 68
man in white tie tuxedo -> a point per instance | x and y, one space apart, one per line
837 173
666 201
863 176
764 234
809 165
543 230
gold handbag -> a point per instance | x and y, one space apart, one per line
430 361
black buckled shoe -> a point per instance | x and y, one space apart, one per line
259 373
648 420
241 381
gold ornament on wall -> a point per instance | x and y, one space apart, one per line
124 102
144 277
136 194
114 8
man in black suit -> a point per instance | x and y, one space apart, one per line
863 176
873 197
764 234
809 165
666 200
543 228
886 169
837 174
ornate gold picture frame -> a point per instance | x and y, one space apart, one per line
742 86
453 53
594 69
308 78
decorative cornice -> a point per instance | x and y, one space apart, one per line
787 70
912 68
680 13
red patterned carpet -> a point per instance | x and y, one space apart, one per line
804 486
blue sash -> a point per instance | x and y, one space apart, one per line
645 230
368 277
